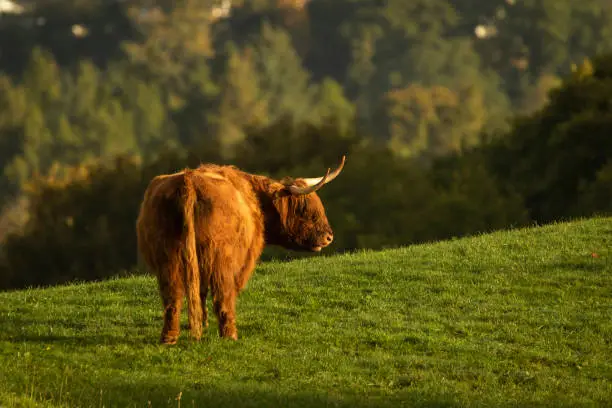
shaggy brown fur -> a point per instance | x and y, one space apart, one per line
206 228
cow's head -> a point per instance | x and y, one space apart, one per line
299 221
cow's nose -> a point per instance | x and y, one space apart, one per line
329 238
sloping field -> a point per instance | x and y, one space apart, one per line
521 318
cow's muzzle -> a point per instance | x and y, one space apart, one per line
328 238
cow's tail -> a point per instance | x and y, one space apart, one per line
190 262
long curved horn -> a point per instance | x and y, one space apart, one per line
316 180
295 190
316 183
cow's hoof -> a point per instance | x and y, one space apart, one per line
230 334
169 339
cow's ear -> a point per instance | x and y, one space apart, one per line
279 190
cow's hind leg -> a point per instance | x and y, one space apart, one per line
172 293
224 290
203 294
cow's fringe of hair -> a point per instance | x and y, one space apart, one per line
191 267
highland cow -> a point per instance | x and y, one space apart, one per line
206 228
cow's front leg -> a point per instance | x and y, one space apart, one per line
226 314
172 316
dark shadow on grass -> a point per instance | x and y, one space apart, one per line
260 394
137 333
586 265
265 393
84 340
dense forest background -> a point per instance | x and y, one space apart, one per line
457 116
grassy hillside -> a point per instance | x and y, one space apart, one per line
520 318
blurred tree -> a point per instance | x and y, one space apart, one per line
595 197
401 47
57 119
527 40
13 106
330 52
33 139
241 102
283 79
470 200
433 121
263 83
73 228
173 52
175 40
331 104
70 30
535 96
286 145
550 154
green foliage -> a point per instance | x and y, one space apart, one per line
549 155
51 119
74 228
242 103
372 49
263 83
506 319
596 196
527 40
284 82
470 200
286 146
174 45
331 104
424 91
434 121
13 216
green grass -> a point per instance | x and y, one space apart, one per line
521 318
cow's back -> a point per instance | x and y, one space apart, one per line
227 217
227 211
